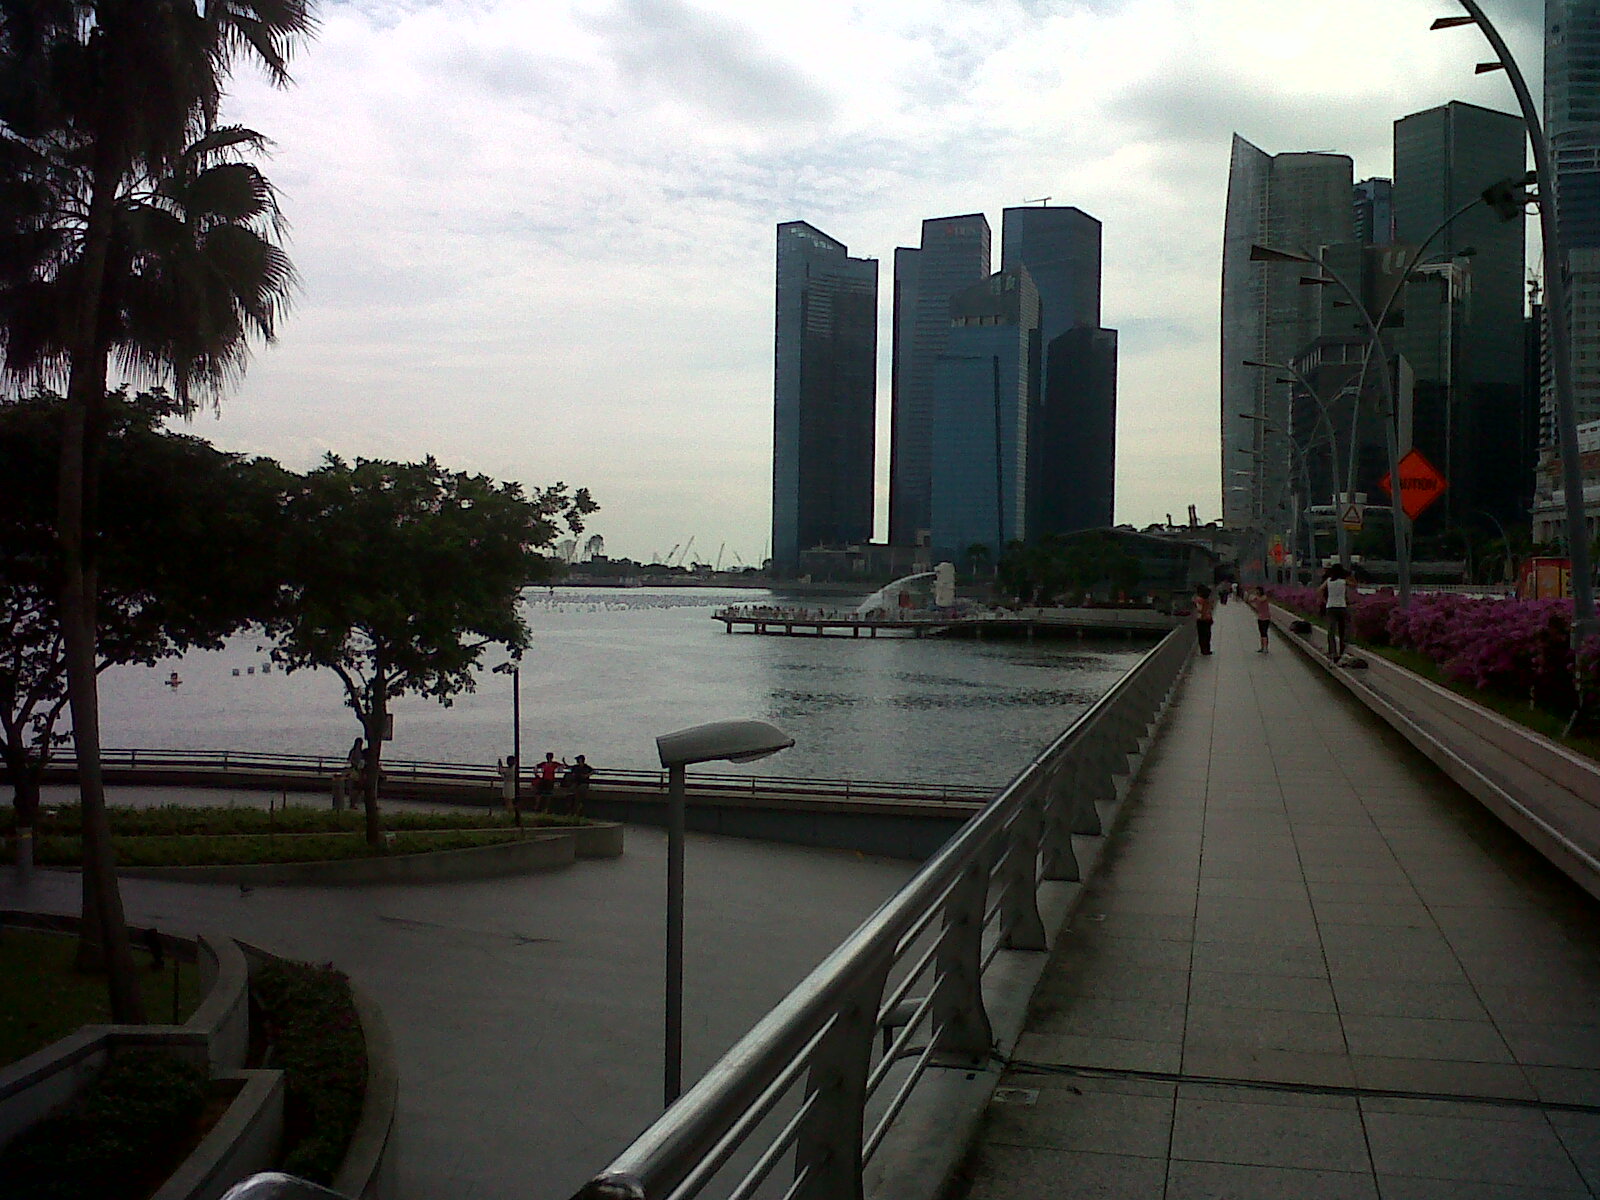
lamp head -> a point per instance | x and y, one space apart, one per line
730 741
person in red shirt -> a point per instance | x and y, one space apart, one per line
1263 610
544 777
1203 616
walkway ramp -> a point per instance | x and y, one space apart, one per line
1309 967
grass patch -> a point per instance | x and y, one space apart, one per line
174 819
121 1137
43 998
242 849
309 1019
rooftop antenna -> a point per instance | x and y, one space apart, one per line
1041 201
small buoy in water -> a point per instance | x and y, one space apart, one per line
173 682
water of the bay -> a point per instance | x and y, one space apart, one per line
610 668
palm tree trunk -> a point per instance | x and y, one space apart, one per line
376 712
104 930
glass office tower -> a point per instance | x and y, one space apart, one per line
825 353
953 256
985 384
1572 123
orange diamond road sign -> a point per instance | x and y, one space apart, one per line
1420 484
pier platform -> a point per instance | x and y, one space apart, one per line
1032 622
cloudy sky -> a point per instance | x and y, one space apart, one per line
535 237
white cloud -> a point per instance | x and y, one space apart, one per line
536 239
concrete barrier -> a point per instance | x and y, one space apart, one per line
244 1140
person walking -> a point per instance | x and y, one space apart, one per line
1336 592
508 785
1203 616
1263 610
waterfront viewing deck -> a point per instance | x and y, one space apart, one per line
1311 966
779 621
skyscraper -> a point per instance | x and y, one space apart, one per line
1465 343
1374 211
1294 202
953 256
825 351
1073 427
1572 123
985 384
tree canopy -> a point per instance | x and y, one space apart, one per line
399 575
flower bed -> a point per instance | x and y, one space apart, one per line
1518 649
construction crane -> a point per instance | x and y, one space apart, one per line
720 549
683 559
667 561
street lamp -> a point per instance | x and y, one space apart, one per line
730 741
1508 200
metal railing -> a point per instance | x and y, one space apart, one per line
811 1086
316 770
271 1185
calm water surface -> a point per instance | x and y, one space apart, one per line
609 669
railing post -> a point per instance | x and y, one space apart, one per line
1020 922
1060 858
958 1009
828 1144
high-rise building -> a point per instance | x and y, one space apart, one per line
1072 436
1374 211
985 385
1463 328
1572 123
954 255
1073 429
825 353
1295 203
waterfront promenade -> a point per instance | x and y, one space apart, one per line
1310 967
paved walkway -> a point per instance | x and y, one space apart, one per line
1310 968
526 1011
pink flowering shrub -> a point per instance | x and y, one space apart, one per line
1369 620
1588 671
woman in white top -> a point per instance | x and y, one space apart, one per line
1336 592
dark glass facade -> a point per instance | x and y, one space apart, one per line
1072 472
1374 210
1463 329
954 255
825 394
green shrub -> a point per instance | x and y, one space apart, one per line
123 1135
201 850
309 1018
173 820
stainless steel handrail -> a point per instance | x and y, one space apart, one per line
272 1185
830 1022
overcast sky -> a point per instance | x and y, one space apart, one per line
536 237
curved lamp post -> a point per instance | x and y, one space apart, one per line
725 741
1584 622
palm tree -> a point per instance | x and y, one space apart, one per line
104 104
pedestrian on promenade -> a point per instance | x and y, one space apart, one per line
1336 592
577 778
349 785
1203 616
544 777
1223 589
508 785
1263 611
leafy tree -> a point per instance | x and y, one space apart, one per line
102 101
1042 571
185 546
978 557
401 574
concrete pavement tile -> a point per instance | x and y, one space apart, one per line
1231 1061
1122 899
1235 1093
1085 948
1565 1085
1552 1045
1265 1029
1495 1080
1307 1138
1007 1172
1392 916
1233 1181
1580 1134
1264 960
1378 962
1118 922
1332 890
1522 1004
1116 1054
1289 929
1424 1037
1481 1151
1397 1187
1062 1118
1379 997
1500 1114
1246 888
1097 1016
1163 986
1253 909
1234 989
1367 875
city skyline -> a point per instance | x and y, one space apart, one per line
537 243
